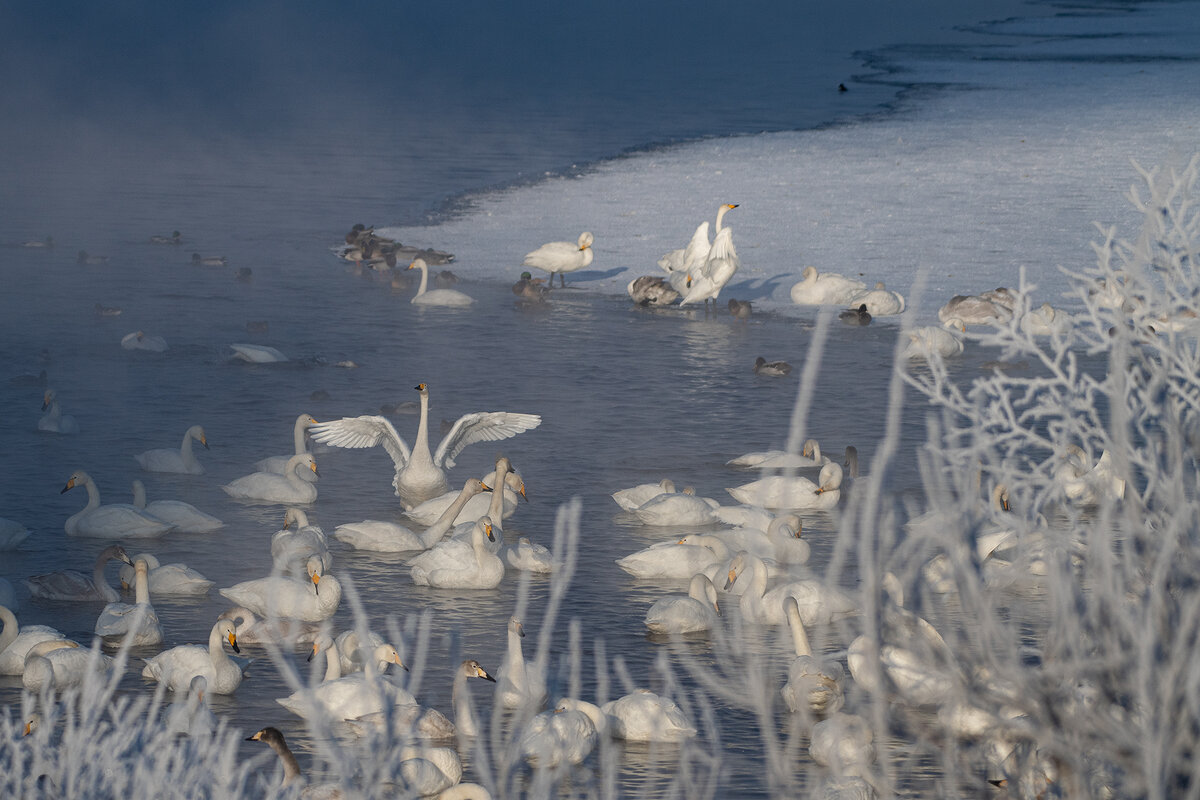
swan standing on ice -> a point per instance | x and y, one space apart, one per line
391 537
696 611
168 580
561 257
795 492
436 297
73 585
696 253
312 600
299 431
421 476
54 421
719 268
112 521
518 682
821 289
176 667
16 642
138 620
185 517
181 460
273 488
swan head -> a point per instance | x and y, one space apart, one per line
585 240
735 569
809 273
78 478
423 388
484 524
419 263
385 654
1000 497
197 433
118 552
315 570
473 669
228 632
830 477
47 399
272 736
787 524
294 517
811 449
516 627
197 687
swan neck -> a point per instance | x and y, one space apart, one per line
9 634
93 494
464 716
298 435
496 507
216 650
434 532
720 218
420 451
424 280
333 663
291 767
141 588
799 636
139 494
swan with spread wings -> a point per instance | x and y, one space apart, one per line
419 474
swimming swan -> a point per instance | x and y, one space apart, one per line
681 508
257 353
54 421
927 341
391 537
518 682
813 683
192 716
455 564
300 442
809 456
818 602
62 664
181 460
15 643
794 492
168 580
565 735
311 600
185 517
297 542
270 487
353 695
428 512
419 475
634 496
138 621
73 585
112 521
696 611
562 257
679 560
176 667
436 297
12 534
643 716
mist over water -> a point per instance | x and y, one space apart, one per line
262 135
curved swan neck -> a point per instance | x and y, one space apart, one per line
424 278
93 493
721 212
799 635
9 634
216 649
333 663
435 531
464 716
298 434
141 586
291 767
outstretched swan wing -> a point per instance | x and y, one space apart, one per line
482 426
366 431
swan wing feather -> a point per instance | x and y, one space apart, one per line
481 426
364 431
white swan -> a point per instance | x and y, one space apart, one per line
54 421
251 629
719 268
391 537
844 743
679 560
780 542
565 735
310 600
681 508
809 456
931 340
454 564
300 443
818 602
168 580
518 683
779 491
257 353
436 297
12 534
352 696
428 771
297 542
112 521
192 716
696 611
880 301
1045 320
139 340
137 622
274 488
73 585
495 510
176 667
634 496
696 253
419 475
428 512
821 289
813 683
185 517
1086 483
528 556
429 723
62 664
181 460
561 257
15 643
744 516
643 716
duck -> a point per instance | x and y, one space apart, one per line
809 456
137 623
16 641
678 508
530 288
678 560
111 521
297 542
192 716
175 238
742 309
176 667
772 368
719 268
168 580
185 517
299 439
694 612
352 696
436 297
779 491
454 564
419 475
140 340
856 316
562 257
818 602
696 252
182 460
519 684
829 288
83 259
208 261
257 353
643 716
63 664
651 290
568 734
312 600
72 585
929 341
391 537
879 302
814 684
270 487
54 421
